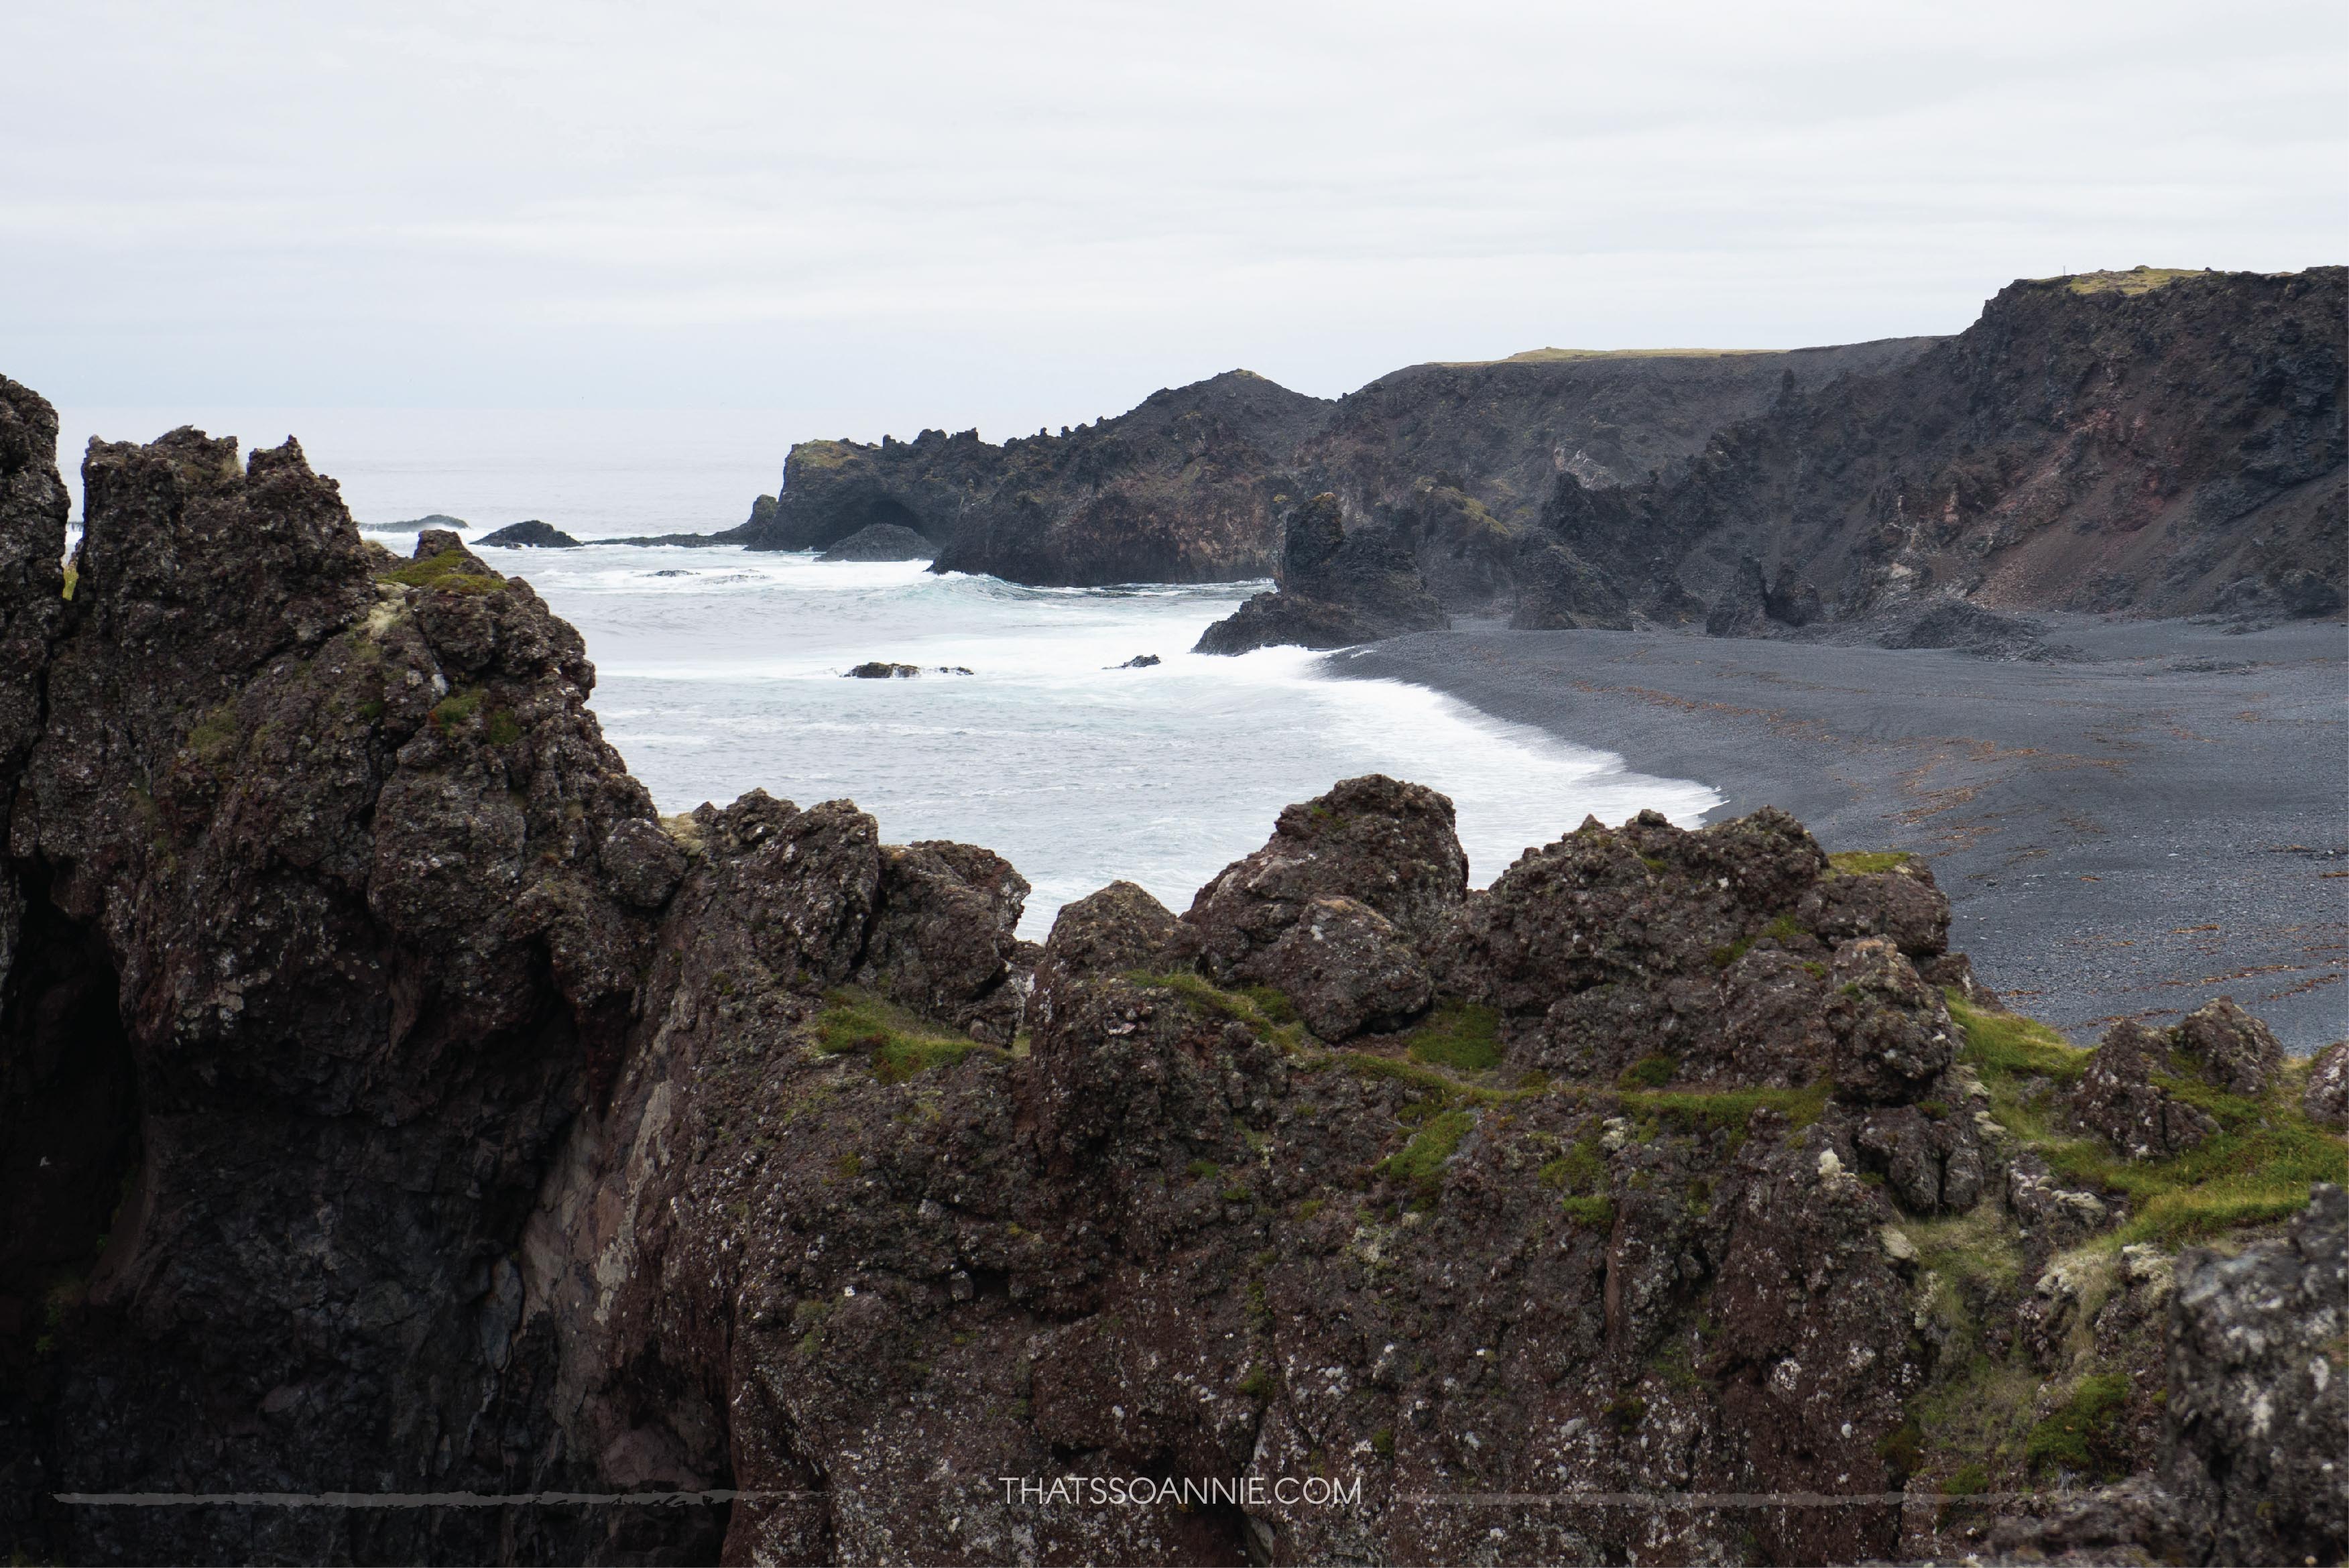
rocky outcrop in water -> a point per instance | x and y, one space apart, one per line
395 1106
531 535
1179 489
1338 584
881 541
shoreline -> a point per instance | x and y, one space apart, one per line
2124 835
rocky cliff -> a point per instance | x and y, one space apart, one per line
1336 586
1191 485
2169 443
2164 444
396 1109
1179 489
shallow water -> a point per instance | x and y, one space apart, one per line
723 670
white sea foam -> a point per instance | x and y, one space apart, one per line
729 676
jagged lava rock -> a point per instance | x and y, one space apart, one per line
2122 1097
1337 585
1384 843
456 1124
326 845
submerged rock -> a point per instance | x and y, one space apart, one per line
881 670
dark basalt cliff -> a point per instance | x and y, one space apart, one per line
1179 489
391 1105
2160 443
2170 444
1463 458
1337 586
1190 485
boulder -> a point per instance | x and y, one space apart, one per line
1386 844
1285 620
944 937
1119 928
881 541
1891 1032
645 863
2326 1098
2122 1098
1346 968
2236 1051
2258 1407
883 670
2117 1100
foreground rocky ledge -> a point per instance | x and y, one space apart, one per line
395 1105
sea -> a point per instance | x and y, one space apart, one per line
1030 730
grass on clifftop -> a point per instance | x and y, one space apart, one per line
1567 355
898 1044
2135 280
2258 1167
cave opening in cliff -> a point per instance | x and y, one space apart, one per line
68 1118
882 509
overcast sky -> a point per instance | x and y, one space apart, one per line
1018 214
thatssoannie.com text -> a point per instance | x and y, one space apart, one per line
1189 1492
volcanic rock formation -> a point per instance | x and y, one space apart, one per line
391 1104
1337 585
2155 441
1179 489
881 541
531 535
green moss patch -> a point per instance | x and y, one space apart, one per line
450 570
2135 280
1649 1072
2084 1434
1421 1161
1867 862
214 738
898 1044
1460 1036
2009 1044
1266 1011
457 709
